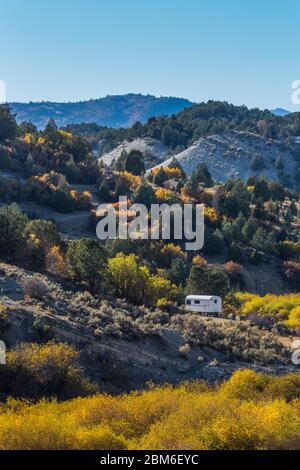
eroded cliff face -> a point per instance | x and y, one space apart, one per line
154 152
231 154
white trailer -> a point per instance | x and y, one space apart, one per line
203 303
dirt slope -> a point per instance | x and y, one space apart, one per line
116 363
230 155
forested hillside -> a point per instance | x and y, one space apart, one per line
112 111
82 318
181 130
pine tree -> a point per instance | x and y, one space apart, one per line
104 192
160 178
29 163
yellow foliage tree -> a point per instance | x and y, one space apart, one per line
130 180
56 263
135 283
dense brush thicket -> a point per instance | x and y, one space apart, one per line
250 411
49 370
277 308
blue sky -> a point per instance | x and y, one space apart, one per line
243 51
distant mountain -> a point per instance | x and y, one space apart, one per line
113 111
280 112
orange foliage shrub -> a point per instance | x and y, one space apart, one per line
55 262
172 173
234 270
185 197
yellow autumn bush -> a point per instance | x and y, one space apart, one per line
55 262
172 173
244 385
164 195
173 251
281 307
211 215
294 318
132 181
212 422
250 411
199 261
50 369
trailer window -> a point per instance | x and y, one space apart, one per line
188 302
215 301
197 302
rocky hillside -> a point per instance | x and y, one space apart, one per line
113 111
238 154
123 347
153 150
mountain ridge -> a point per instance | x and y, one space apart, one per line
280 112
112 110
